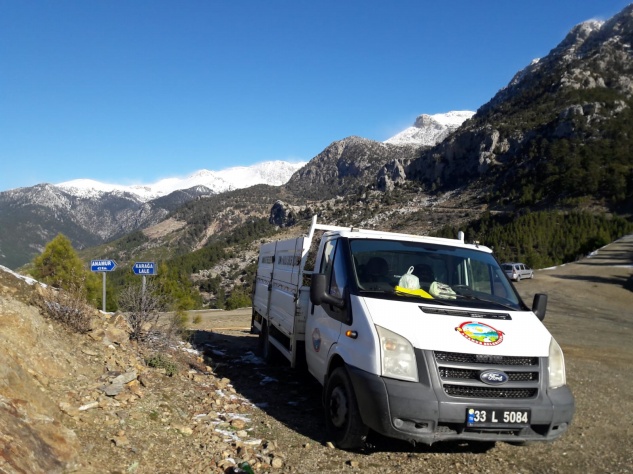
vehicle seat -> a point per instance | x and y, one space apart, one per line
376 270
425 274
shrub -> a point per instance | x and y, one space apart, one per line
143 308
239 298
159 361
69 306
177 327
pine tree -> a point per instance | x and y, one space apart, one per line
60 266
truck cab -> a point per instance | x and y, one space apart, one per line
418 338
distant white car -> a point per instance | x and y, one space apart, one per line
517 271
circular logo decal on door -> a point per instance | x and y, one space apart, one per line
480 333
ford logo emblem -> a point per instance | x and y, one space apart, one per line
493 377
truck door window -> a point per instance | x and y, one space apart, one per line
339 274
328 258
334 267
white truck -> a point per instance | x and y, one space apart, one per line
417 338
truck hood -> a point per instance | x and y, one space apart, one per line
460 329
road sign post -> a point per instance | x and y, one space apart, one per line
103 266
144 269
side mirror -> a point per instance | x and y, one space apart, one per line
319 295
539 305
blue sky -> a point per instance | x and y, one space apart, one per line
133 91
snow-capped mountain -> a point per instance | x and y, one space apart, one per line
429 130
274 173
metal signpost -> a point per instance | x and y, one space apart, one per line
144 269
103 266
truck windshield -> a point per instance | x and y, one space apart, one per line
431 273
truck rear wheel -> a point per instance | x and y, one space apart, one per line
266 349
342 417
253 328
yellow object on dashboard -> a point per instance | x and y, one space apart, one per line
420 292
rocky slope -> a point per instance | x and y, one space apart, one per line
92 404
558 132
568 110
346 165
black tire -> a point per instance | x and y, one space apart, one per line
342 417
263 344
253 328
266 349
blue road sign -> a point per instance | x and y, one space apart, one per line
102 265
144 268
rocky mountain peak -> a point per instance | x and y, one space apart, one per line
429 130
593 54
426 121
575 39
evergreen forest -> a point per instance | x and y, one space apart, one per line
543 239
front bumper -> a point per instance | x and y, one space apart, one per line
422 413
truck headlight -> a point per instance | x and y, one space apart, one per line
396 356
556 365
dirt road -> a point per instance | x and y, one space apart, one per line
590 313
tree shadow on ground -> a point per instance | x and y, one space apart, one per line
623 255
623 281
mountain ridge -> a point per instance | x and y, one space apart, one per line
91 212
274 173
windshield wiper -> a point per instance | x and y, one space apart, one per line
486 300
423 300
376 292
418 298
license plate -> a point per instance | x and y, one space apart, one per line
497 417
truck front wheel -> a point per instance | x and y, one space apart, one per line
342 417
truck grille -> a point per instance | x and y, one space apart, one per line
484 359
459 373
488 392
463 374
